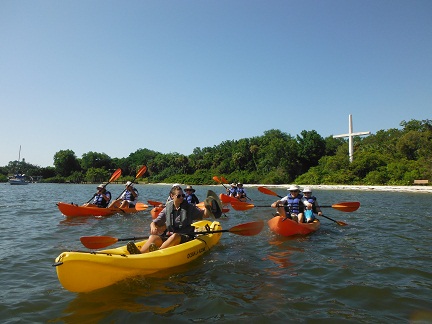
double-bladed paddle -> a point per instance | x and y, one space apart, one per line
140 172
114 177
348 206
99 242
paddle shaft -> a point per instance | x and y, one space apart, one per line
115 176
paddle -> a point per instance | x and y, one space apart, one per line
266 191
337 222
98 242
140 172
215 178
155 203
114 177
348 206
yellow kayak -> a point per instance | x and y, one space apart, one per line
87 271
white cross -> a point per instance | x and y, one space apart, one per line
350 136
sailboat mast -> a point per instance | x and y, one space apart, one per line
19 154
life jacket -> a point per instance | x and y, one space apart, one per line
100 202
181 223
241 192
192 199
128 195
295 205
232 191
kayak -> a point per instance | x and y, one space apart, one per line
87 271
288 227
228 199
71 210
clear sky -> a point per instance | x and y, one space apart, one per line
116 76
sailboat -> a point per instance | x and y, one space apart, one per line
18 178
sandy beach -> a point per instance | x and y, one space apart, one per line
425 189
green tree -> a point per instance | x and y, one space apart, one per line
65 163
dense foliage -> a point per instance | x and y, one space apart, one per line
389 157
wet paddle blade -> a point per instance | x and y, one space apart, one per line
241 206
141 206
97 242
348 206
154 203
248 229
224 180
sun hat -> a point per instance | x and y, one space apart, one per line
307 189
101 186
129 184
175 185
189 188
294 188
239 184
233 184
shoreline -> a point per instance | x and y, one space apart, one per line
425 189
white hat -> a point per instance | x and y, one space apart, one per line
129 184
294 188
175 185
233 184
101 186
307 189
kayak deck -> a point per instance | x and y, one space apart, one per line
288 227
87 271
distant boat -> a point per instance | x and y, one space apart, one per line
18 179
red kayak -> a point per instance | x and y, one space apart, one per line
71 210
288 227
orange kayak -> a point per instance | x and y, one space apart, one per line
288 227
71 210
225 199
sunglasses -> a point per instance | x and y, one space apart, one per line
180 196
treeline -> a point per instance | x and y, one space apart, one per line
389 157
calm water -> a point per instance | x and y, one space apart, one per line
377 269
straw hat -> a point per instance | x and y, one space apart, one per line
101 186
294 188
307 189
129 184
189 188
233 184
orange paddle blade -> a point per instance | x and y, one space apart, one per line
97 242
117 173
224 180
266 191
141 172
154 203
248 229
141 206
215 178
242 206
225 199
348 206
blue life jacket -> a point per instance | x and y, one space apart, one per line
128 195
295 205
241 192
192 199
312 200
100 201
232 191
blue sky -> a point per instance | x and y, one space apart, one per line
116 76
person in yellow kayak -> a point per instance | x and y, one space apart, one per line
101 198
293 205
312 209
128 198
173 225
